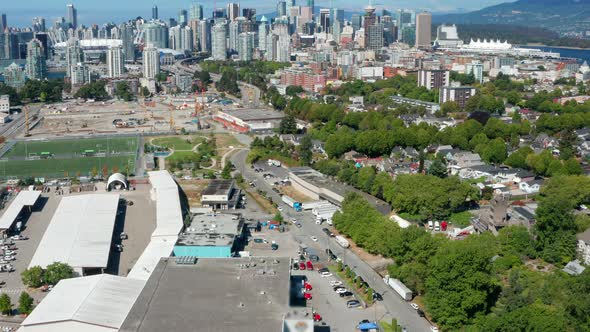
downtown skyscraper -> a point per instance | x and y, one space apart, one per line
423 30
218 45
72 16
36 68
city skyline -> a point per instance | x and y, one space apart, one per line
19 15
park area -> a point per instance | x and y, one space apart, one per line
69 157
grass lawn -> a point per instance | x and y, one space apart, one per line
56 168
461 219
175 142
181 155
72 146
224 141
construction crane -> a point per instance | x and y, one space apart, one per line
27 134
171 117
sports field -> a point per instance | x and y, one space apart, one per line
73 147
67 158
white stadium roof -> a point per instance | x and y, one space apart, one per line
101 301
80 232
24 198
94 43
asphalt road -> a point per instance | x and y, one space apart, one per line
396 307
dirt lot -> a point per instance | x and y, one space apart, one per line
293 193
193 190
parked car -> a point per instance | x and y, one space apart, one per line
420 313
298 225
335 288
323 269
307 296
377 297
335 283
353 304
309 265
341 290
307 286
316 317
326 274
123 236
302 266
434 329
327 231
295 266
9 253
414 306
346 294
313 238
9 258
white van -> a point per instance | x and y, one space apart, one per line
430 224
437 226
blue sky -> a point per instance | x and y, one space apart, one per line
21 12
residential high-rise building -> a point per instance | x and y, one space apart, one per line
151 62
233 11
460 95
73 54
424 30
475 68
80 74
36 68
290 4
246 46
263 29
182 17
14 76
39 24
72 16
3 23
324 19
311 4
115 61
408 35
218 45
154 12
126 35
336 15
281 8
186 39
204 36
356 22
374 36
249 13
44 39
433 79
196 12
403 18
156 34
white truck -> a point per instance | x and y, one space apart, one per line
342 241
313 204
291 202
398 287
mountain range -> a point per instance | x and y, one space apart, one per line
558 15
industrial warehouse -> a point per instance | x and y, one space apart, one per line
249 120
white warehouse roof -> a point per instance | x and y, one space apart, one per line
95 303
80 232
161 246
24 198
168 212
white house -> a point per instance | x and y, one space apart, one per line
584 246
530 187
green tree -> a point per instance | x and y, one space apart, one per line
58 271
449 107
33 276
123 91
288 125
25 303
5 304
293 90
226 172
566 144
305 150
145 92
438 168
279 217
204 77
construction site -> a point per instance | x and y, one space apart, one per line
161 114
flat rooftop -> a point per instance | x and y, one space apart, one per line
24 198
255 114
319 180
80 232
226 294
211 230
219 187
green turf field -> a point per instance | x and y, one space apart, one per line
67 159
73 146
58 168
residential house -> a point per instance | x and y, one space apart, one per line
318 146
355 156
531 187
574 268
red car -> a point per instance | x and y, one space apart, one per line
307 296
316 317
309 265
307 286
302 266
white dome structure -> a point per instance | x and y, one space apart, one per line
117 181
